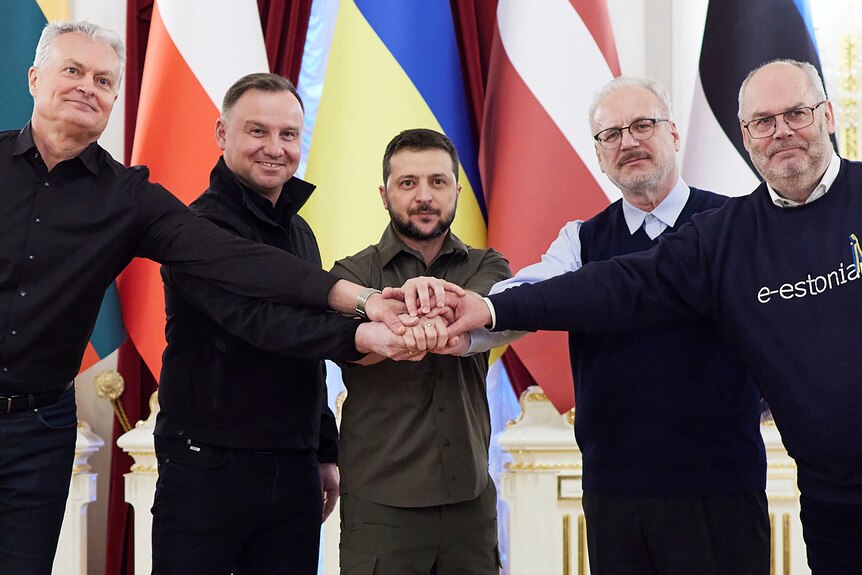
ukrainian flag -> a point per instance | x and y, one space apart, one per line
393 65
20 27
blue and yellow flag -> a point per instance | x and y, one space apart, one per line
20 27
392 66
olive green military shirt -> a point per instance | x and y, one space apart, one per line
416 434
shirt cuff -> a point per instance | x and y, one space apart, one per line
493 313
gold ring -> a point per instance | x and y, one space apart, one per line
428 325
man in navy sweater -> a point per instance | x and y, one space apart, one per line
667 418
777 272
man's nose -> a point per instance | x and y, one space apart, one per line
782 128
272 146
627 140
423 192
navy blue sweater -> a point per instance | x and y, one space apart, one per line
664 411
779 282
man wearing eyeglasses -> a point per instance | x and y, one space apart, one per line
777 271
667 417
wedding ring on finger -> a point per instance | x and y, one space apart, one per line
427 325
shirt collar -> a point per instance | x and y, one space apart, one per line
390 245
825 183
666 212
24 143
294 194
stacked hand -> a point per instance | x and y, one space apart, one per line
415 319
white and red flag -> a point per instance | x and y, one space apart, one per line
538 164
191 61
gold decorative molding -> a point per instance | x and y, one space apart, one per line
785 528
772 544
532 396
526 397
567 545
582 545
531 466
849 133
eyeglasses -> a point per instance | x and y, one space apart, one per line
641 130
795 119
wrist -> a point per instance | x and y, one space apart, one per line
362 301
492 314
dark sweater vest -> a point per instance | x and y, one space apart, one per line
781 283
665 411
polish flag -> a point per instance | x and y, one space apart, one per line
538 164
196 50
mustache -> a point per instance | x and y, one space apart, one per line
422 210
629 156
783 145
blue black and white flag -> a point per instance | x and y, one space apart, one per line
739 36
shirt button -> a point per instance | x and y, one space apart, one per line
14 332
37 220
5 370
31 257
22 293
47 184
445 443
441 408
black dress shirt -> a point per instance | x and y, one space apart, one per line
245 373
66 234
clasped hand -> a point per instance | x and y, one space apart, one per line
425 306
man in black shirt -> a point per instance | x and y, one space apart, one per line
73 218
242 390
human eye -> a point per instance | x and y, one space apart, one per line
71 70
255 131
610 135
643 126
763 123
406 183
798 114
289 136
105 82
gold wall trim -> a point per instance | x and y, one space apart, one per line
772 544
519 466
785 533
582 545
567 544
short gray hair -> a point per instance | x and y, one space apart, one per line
814 79
55 29
624 81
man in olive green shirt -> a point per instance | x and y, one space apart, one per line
413 453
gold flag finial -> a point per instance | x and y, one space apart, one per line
109 385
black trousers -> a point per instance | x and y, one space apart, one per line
833 536
219 511
37 448
677 535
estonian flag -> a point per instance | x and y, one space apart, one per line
739 36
